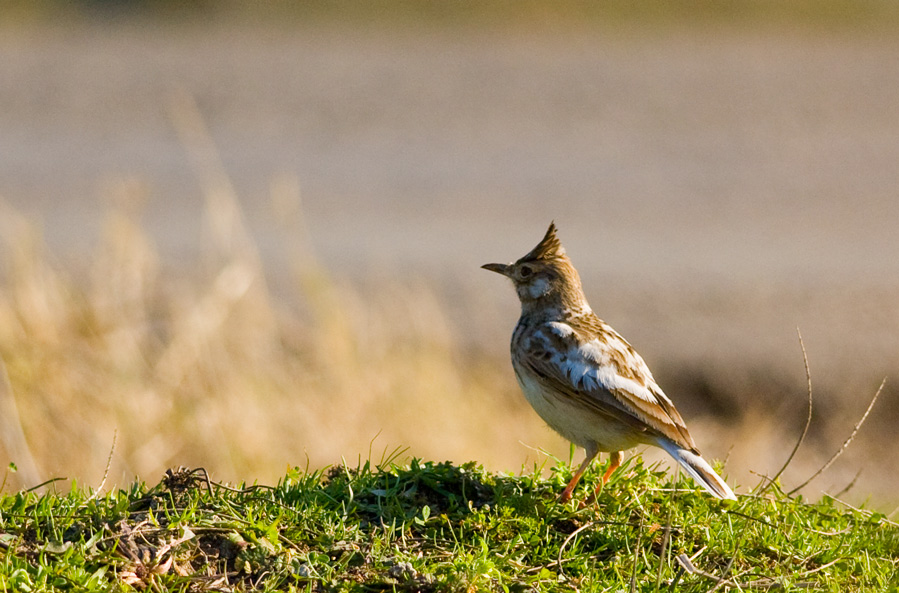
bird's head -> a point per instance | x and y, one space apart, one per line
544 273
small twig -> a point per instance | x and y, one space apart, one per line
115 436
892 513
159 531
763 583
165 548
832 533
721 581
845 443
820 568
864 512
727 455
750 517
688 566
206 479
698 552
44 483
667 534
808 420
769 583
637 556
570 537
850 485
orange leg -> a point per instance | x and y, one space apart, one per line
566 494
615 459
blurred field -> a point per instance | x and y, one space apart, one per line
717 185
210 370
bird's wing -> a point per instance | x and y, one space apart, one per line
599 370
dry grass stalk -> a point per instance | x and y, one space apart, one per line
213 372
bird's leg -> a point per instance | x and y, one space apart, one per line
615 459
566 494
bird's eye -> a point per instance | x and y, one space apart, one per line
525 271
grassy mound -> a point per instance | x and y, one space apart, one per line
438 527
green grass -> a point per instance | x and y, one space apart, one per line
437 527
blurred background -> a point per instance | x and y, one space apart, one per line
247 236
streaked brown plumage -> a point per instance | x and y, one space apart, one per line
583 378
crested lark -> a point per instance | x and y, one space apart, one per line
583 378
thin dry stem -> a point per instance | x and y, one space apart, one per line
688 566
865 512
846 443
568 539
667 535
115 436
763 583
633 587
850 485
808 420
722 581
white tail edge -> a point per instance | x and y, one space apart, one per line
699 469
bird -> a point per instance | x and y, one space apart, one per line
585 380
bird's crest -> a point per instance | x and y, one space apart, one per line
548 248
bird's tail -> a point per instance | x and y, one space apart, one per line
699 469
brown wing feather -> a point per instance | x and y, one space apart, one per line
597 369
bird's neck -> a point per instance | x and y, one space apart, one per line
565 300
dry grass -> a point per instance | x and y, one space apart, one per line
209 369
201 365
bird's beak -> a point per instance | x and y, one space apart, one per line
503 269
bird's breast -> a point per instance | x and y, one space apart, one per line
577 423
